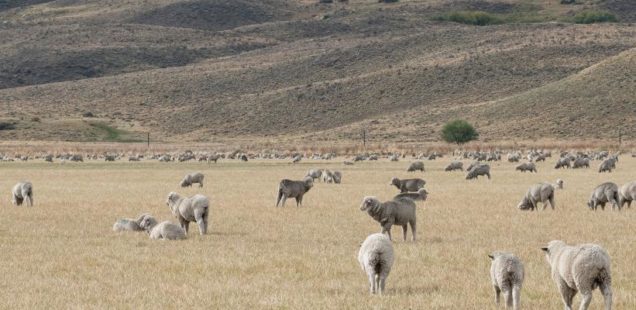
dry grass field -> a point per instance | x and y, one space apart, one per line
62 253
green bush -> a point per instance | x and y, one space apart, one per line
478 18
590 17
459 131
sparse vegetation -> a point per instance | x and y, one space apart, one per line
7 125
591 17
459 131
477 18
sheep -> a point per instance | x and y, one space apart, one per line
626 194
164 230
418 165
580 268
376 259
192 209
213 158
189 179
473 165
22 191
337 177
506 275
421 194
327 176
476 171
293 189
559 184
581 162
296 159
48 158
563 162
607 165
399 212
109 158
456 165
394 157
602 194
128 224
314 174
347 163
542 192
408 185
527 167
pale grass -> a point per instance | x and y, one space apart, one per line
62 253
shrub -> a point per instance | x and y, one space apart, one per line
7 126
477 18
459 131
590 17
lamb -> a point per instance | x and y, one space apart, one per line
602 194
607 165
542 192
23 191
580 268
164 230
456 165
581 162
193 209
506 275
563 162
314 174
626 194
327 176
421 194
399 212
189 179
293 189
418 165
527 167
475 172
376 259
128 224
408 185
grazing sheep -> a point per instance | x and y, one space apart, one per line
421 194
581 162
314 174
580 268
376 259
527 167
456 165
337 177
473 165
626 194
109 158
327 176
408 185
563 162
164 230
347 163
418 165
559 184
128 224
293 189
399 212
189 179
49 158
213 158
478 170
607 165
394 157
22 191
602 194
506 275
542 192
243 157
296 159
193 209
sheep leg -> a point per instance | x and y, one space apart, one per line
404 229
371 284
567 294
507 294
551 199
497 294
606 289
382 281
585 299
184 224
202 221
488 174
386 229
413 230
516 295
283 199
200 184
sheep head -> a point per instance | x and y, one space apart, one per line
369 202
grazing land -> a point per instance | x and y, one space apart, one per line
62 253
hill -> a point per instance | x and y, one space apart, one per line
300 71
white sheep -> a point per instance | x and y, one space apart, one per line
627 194
506 275
128 224
164 230
376 259
189 179
22 191
193 209
580 268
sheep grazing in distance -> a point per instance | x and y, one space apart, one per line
128 224
506 275
527 167
336 177
580 268
399 212
315 174
421 195
192 209
542 192
607 165
293 189
213 158
602 194
296 159
189 179
563 162
478 170
164 230
48 158
455 165
626 194
347 163
408 185
376 259
418 165
327 176
21 192
581 162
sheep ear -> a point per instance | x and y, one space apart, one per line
491 256
545 250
